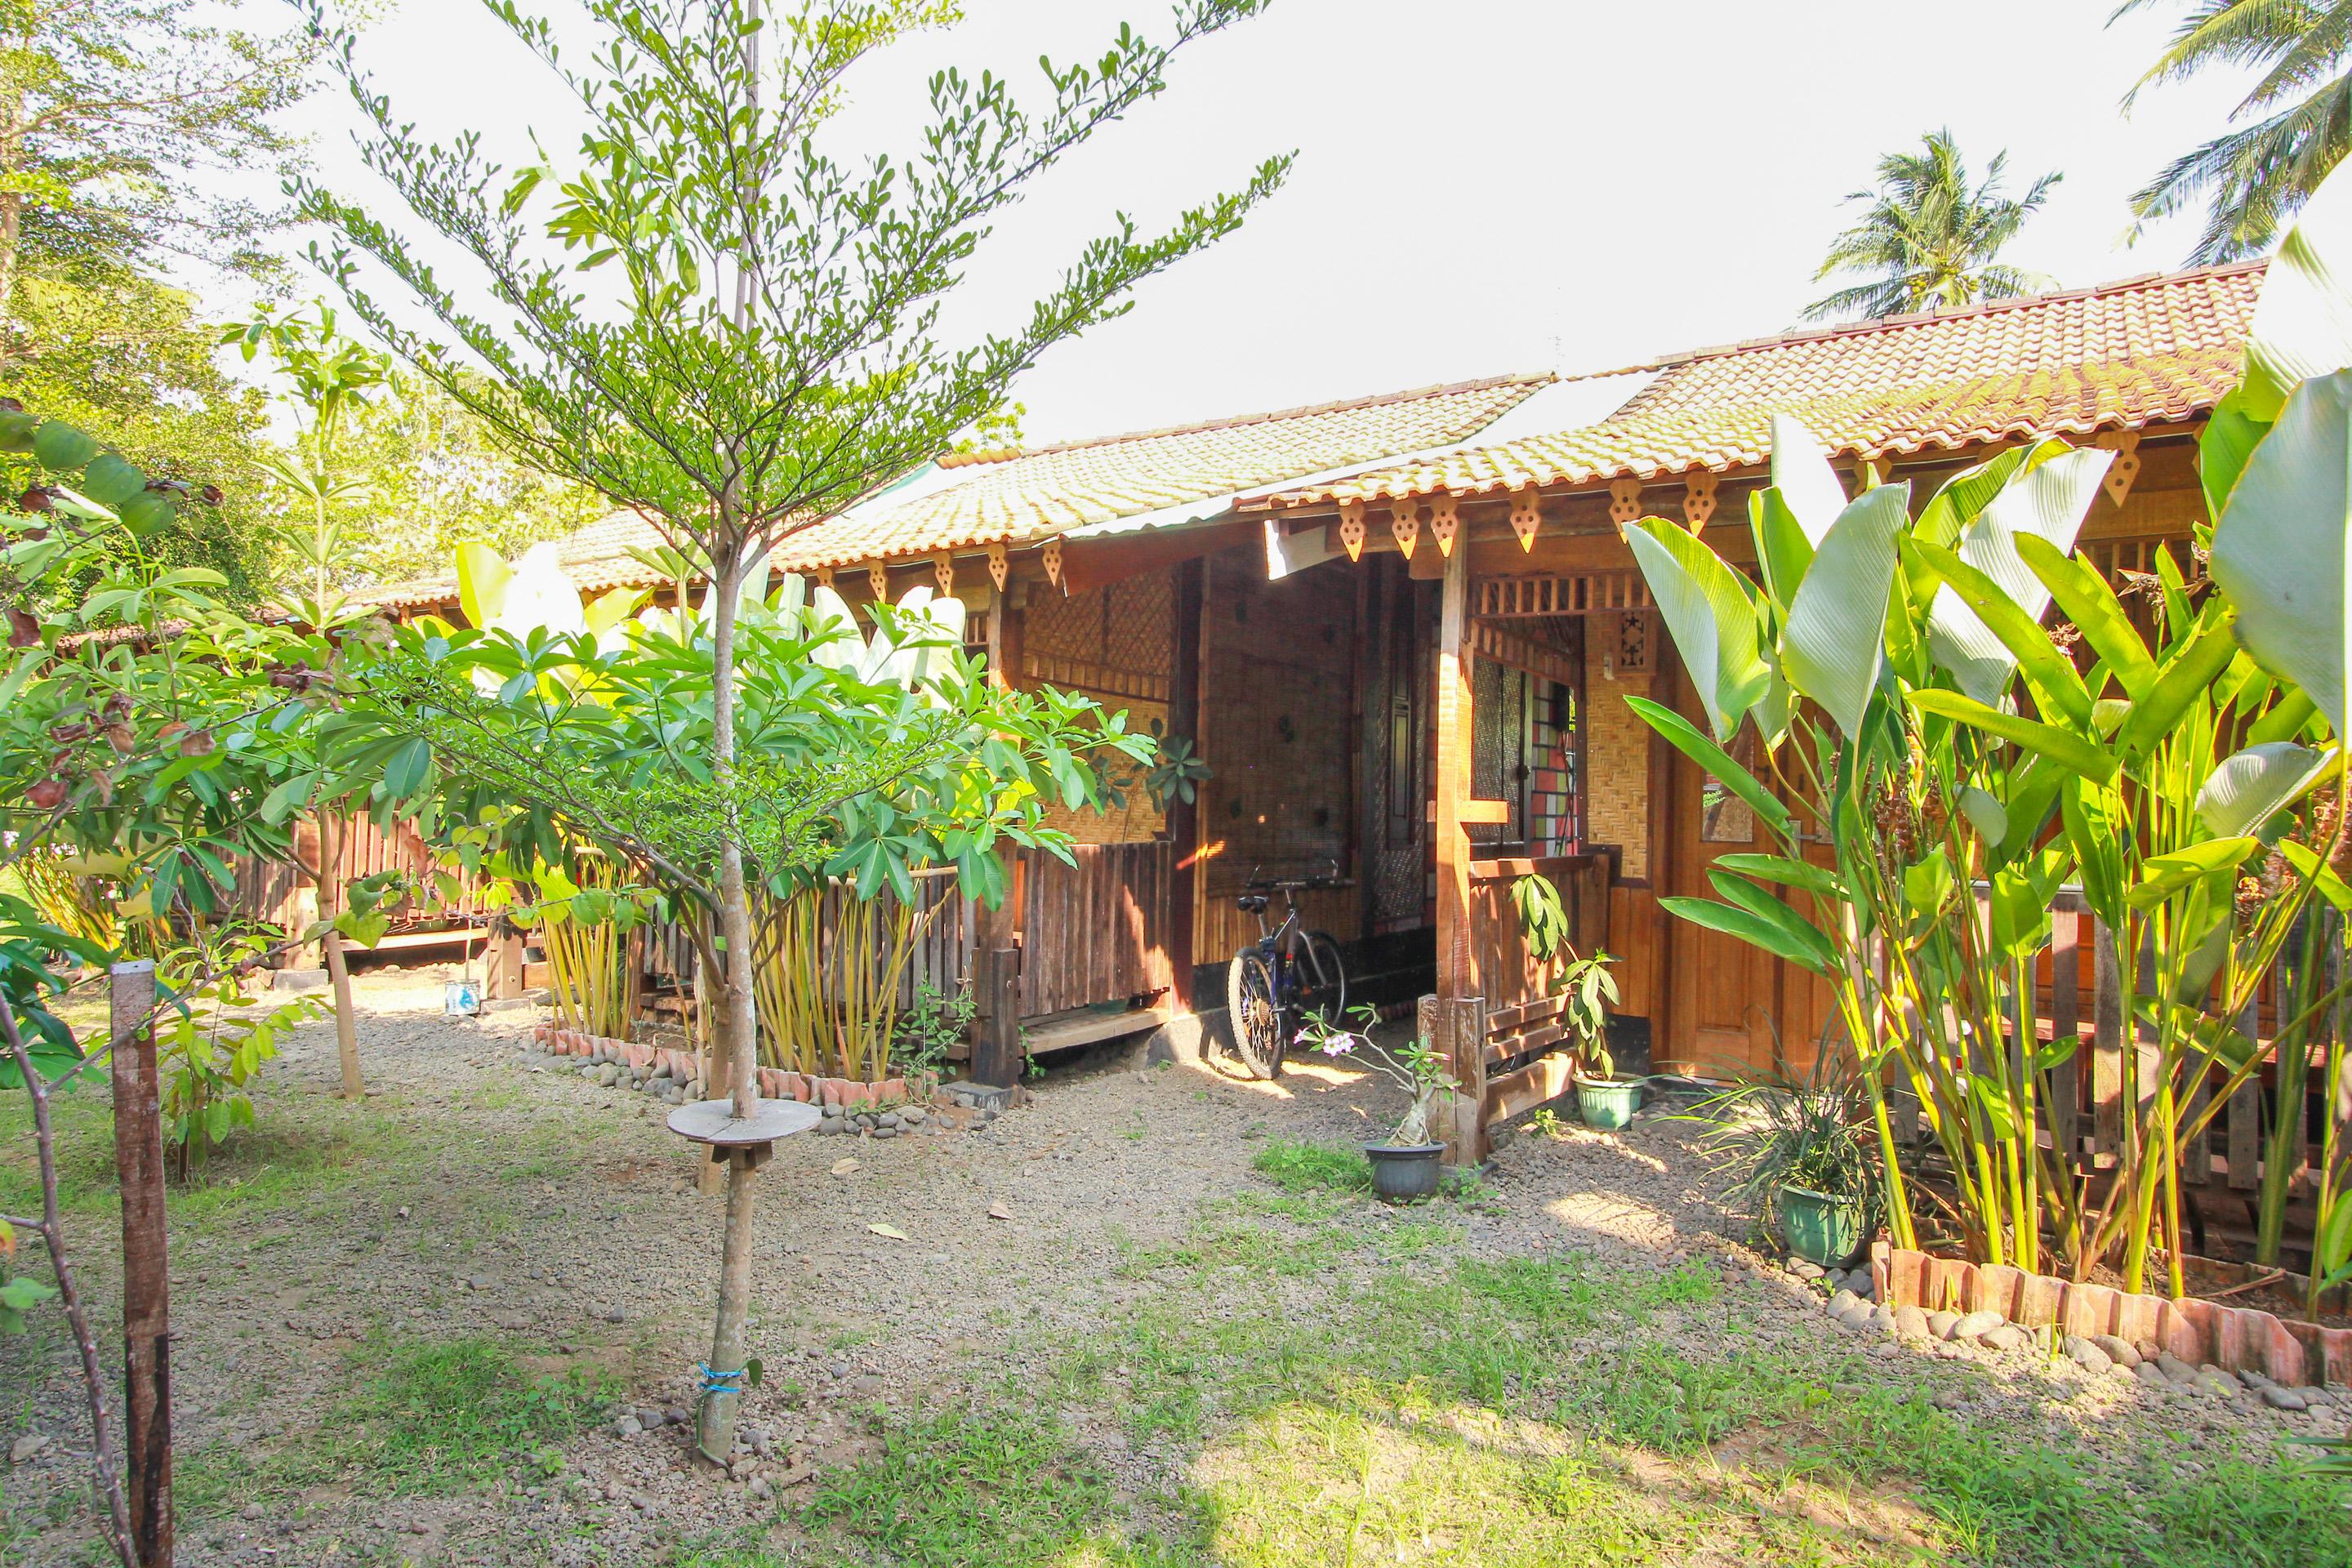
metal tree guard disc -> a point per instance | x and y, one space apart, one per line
714 1122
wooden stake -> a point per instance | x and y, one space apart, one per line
146 1266
996 1048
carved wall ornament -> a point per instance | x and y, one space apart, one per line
1053 555
2124 469
997 567
1351 528
944 572
877 577
1632 655
1445 521
1624 500
1404 521
1698 499
1526 515
824 576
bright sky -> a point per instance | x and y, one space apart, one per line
1482 186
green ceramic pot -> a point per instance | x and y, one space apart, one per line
1820 1227
1608 1103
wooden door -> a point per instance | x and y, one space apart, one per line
1725 995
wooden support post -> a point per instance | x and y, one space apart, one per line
502 967
2107 1118
996 1048
146 1264
1464 1019
1185 815
1456 967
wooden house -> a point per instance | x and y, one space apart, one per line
1401 632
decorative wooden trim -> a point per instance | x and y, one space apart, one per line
1053 557
1509 648
1351 528
1634 636
877 577
997 567
1404 521
1698 499
1526 515
1444 519
1624 500
2124 469
944 572
1582 593
824 576
1868 471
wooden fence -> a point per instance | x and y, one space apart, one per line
280 892
1095 932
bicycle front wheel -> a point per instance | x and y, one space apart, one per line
1257 1014
1322 984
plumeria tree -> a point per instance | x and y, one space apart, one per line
723 321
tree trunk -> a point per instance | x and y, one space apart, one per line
330 904
715 1427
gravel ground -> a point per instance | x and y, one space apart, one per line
482 1191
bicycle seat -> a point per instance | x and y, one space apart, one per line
1251 902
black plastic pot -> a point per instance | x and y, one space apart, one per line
1405 1172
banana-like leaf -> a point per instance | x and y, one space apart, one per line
2162 875
2047 501
2323 878
2303 326
2252 786
609 610
1834 644
2061 746
2278 549
1687 739
2057 686
1799 942
1782 548
2185 679
2286 718
1808 486
2085 600
1711 616
2333 1239
2231 436
482 578
1803 874
834 629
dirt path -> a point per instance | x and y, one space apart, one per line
481 1194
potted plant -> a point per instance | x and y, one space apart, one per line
1606 1096
1803 1152
1405 1167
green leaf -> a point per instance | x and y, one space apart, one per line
1808 485
2162 875
62 448
2278 550
2087 600
483 577
111 480
1794 927
1833 648
1782 548
2322 875
2334 1241
2250 787
1985 813
2057 686
2231 436
2047 501
406 772
2067 748
2303 325
1687 739
147 514
2185 679
1801 874
1809 950
1713 620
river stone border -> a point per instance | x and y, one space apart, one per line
2195 1331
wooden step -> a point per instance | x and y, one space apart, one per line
1086 1028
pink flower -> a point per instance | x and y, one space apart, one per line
1338 1045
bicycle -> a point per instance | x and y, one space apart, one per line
1288 972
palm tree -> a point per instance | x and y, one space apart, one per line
2297 117
1929 238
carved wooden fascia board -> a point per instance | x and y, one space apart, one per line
1053 555
877 577
997 567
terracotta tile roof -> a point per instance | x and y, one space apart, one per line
1029 497
2121 356
1018 498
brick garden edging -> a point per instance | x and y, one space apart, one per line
2200 1332
776 1083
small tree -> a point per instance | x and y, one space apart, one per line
768 346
